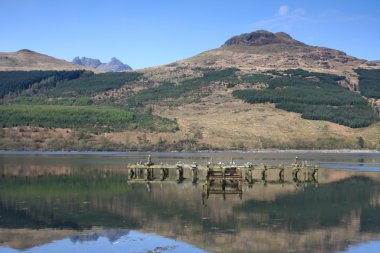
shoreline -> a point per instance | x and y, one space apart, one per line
259 151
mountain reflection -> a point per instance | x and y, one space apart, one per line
341 210
111 234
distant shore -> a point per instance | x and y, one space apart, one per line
269 151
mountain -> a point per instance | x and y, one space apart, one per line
29 60
114 65
262 50
263 61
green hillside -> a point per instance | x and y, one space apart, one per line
92 118
316 96
142 103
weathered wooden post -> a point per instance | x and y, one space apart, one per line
163 174
264 173
248 176
180 171
141 172
149 173
282 175
194 172
315 175
240 180
132 173
295 175
224 183
209 173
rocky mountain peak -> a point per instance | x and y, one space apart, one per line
114 65
115 61
261 38
89 62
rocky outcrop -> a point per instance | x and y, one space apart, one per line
261 38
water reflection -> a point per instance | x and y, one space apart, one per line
104 240
70 208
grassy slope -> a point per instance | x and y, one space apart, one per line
227 122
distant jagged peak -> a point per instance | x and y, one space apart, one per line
261 38
85 61
115 60
113 66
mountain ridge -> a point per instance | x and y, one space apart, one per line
89 62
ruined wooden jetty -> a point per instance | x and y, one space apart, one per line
149 171
224 179
224 174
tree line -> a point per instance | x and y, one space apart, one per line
15 81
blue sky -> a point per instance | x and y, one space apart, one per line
146 33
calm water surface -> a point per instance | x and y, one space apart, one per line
84 202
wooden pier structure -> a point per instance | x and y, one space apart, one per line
150 172
225 179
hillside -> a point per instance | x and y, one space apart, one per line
258 90
27 60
